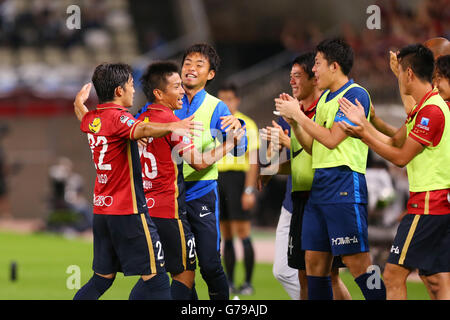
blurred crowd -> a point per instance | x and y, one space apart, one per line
40 53
400 25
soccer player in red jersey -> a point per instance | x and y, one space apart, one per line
162 173
422 145
125 238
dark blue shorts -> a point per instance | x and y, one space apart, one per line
203 216
128 244
339 228
178 243
296 256
422 242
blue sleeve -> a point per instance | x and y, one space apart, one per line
351 95
285 126
222 111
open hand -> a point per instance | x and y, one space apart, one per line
187 127
354 113
230 122
287 106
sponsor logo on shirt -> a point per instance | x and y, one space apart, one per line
343 241
150 202
424 121
395 250
103 201
95 125
130 122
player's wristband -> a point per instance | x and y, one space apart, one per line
249 190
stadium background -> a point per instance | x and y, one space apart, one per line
43 64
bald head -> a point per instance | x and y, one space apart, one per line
439 46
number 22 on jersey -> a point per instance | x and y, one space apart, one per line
96 142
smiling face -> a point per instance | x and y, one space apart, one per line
173 94
302 86
195 71
322 72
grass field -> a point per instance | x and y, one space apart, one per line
43 259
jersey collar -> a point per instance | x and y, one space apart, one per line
427 96
311 107
156 106
110 105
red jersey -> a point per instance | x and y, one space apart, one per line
162 173
118 187
428 129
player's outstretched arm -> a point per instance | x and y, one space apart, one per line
185 127
380 124
400 156
79 108
200 161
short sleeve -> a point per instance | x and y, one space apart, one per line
124 125
351 95
216 123
429 126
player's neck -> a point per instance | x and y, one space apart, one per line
338 83
191 92
420 90
115 101
162 103
309 100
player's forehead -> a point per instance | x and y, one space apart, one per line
296 69
196 57
319 56
173 78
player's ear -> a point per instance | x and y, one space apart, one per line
158 94
211 74
334 66
118 92
410 74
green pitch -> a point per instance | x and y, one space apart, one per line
43 261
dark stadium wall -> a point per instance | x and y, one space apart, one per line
36 143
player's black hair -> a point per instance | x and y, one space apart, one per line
155 77
306 61
419 58
229 87
339 51
443 66
206 50
107 77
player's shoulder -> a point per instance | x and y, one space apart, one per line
358 92
430 111
158 113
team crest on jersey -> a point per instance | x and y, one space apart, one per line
95 125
